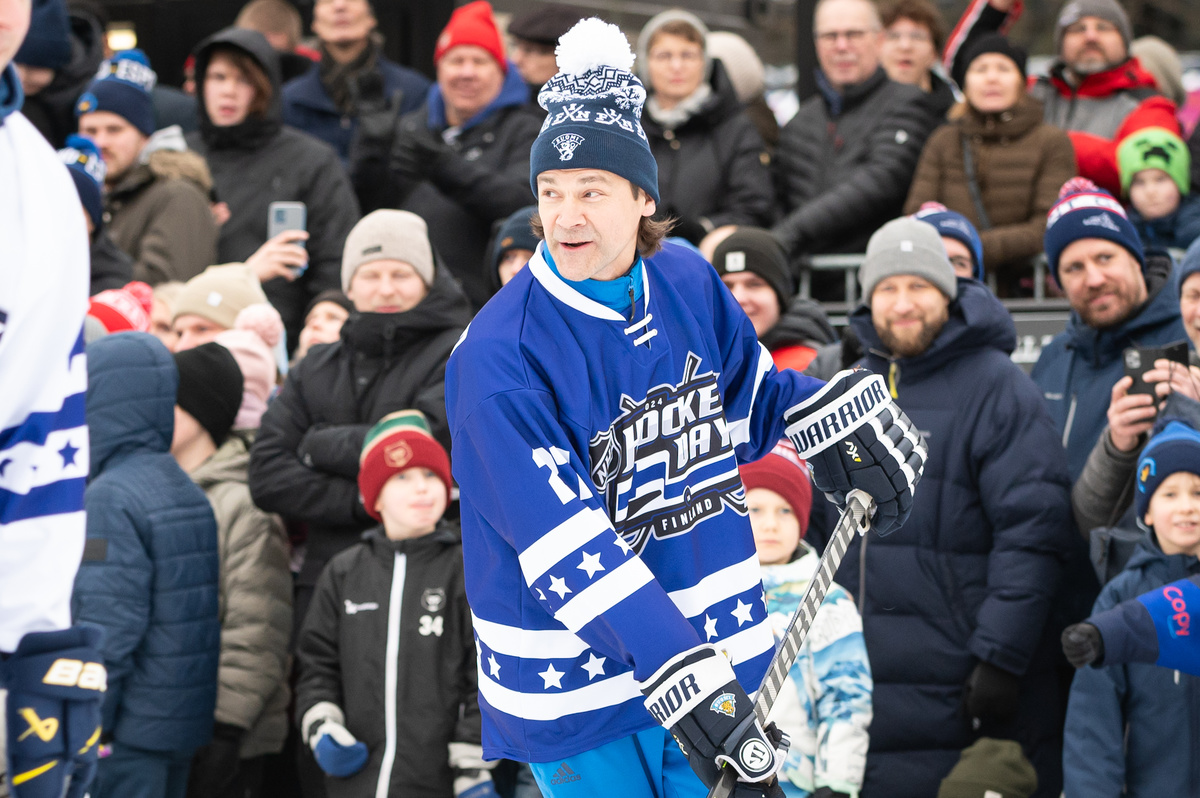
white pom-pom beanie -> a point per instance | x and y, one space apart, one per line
594 110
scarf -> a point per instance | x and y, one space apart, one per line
341 80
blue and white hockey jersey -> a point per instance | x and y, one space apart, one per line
604 521
43 379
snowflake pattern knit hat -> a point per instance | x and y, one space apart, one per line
88 170
1085 210
594 110
399 441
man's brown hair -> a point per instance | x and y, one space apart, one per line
651 231
263 91
921 12
272 16
677 27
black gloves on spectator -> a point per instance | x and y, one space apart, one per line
828 792
420 154
1083 645
215 766
371 147
991 693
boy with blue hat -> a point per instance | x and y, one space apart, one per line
599 407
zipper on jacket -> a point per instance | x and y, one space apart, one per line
1070 420
894 379
391 664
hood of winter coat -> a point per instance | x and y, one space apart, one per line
230 463
253 131
977 321
514 91
1161 306
802 323
87 51
132 382
444 307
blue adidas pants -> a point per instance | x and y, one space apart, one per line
644 765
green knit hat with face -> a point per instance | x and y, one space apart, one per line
1155 148
399 441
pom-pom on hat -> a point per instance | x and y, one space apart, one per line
122 86
400 441
594 110
257 365
952 224
47 44
124 309
752 249
1085 210
88 170
784 472
1155 148
1175 448
472 24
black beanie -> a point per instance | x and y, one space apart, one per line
210 388
993 43
330 295
752 249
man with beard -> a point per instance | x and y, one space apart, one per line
955 604
1117 301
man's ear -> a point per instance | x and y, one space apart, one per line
650 207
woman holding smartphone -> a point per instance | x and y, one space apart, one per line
256 162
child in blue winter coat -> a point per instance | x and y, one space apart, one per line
1155 182
1132 728
825 706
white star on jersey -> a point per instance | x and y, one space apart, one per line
591 564
494 666
559 586
710 628
742 613
594 666
551 677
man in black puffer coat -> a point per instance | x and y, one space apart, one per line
845 161
391 356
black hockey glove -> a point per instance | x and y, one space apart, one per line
696 696
1083 645
854 435
991 693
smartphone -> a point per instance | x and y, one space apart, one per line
287 216
1139 360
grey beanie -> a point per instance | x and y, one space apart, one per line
388 234
907 246
1075 10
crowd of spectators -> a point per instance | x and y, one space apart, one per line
250 381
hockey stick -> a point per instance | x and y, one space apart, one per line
855 520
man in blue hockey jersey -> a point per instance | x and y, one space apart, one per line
599 407
54 678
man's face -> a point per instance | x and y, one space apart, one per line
34 79
470 79
1091 45
1102 281
1189 307
848 41
386 286
342 22
228 92
756 298
908 313
907 53
535 62
14 24
676 67
512 262
590 218
119 142
322 325
192 331
960 257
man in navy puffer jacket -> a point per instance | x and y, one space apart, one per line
149 574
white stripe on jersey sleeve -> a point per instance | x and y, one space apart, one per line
528 643
604 594
551 706
739 430
718 586
39 557
550 549
748 643
35 466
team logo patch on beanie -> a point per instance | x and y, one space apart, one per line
398 454
1145 472
566 144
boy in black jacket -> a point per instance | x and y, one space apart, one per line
387 689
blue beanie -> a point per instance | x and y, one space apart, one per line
952 224
48 42
1083 211
1189 265
514 233
88 171
1176 448
594 110
122 86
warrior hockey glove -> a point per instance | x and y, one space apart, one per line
854 435
337 751
472 774
56 683
696 696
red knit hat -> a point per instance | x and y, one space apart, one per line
400 441
123 309
472 24
784 472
